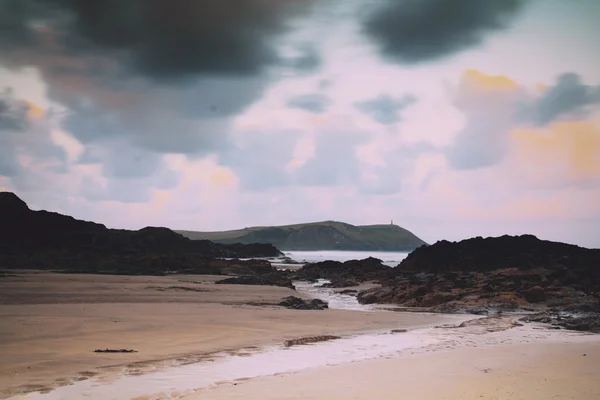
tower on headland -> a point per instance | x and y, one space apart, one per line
392 223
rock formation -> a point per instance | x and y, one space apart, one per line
344 274
47 240
503 273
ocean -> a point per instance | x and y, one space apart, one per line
391 259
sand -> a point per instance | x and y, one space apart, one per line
532 371
51 323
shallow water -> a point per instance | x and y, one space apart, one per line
335 300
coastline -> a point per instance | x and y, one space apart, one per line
52 323
531 371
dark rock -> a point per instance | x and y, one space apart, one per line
346 274
535 294
115 351
310 339
502 273
479 311
434 299
46 240
275 278
586 322
340 283
297 303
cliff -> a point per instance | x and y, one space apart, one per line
327 235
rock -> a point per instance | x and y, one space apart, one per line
340 283
502 273
46 240
308 340
297 303
434 299
346 274
275 278
587 322
115 351
535 294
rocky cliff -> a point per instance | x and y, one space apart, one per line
48 240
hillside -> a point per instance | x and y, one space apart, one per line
327 235
48 240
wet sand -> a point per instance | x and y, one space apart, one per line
489 358
534 371
52 323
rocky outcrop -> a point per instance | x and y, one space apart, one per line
47 240
581 321
504 273
344 274
297 303
273 278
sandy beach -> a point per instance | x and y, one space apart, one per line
533 371
52 323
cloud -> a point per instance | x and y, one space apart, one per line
315 103
425 30
494 106
13 113
385 109
151 77
153 37
259 157
562 154
25 138
568 96
489 104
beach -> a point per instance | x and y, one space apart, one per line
184 327
533 371
52 323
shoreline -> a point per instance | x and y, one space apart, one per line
552 369
52 323
48 343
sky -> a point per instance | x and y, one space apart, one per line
454 118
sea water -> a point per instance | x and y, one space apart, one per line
391 259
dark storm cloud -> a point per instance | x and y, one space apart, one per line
413 31
385 109
568 96
158 38
315 103
153 76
